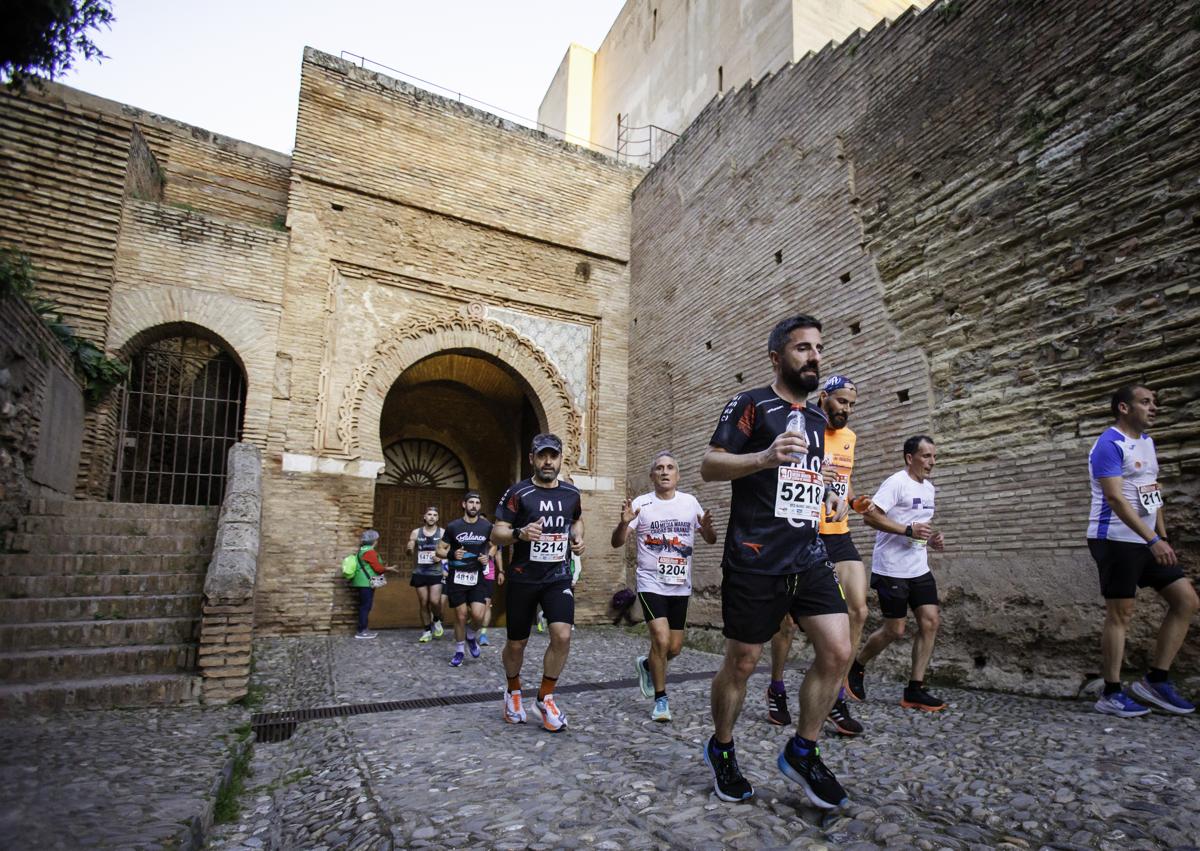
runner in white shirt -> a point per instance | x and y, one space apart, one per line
901 514
664 522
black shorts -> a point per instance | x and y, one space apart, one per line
419 581
673 607
753 604
489 588
556 599
841 547
897 596
1125 567
459 594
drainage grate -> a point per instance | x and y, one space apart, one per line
272 727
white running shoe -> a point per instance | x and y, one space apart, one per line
514 712
552 718
644 681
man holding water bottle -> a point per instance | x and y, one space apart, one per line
770 445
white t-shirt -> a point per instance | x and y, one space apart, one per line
1134 460
905 501
665 531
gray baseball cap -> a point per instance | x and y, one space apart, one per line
546 441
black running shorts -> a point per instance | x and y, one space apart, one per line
460 594
1125 567
753 604
897 596
419 581
556 599
841 547
489 588
673 607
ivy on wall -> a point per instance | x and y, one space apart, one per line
98 373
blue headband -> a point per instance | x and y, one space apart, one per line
837 382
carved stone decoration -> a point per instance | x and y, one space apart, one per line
362 401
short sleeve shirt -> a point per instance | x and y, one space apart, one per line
1135 461
475 538
839 454
665 531
756 540
548 560
905 501
428 563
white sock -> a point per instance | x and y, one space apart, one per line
470 634
460 647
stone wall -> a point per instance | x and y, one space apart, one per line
993 209
38 388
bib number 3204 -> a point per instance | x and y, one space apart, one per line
798 494
672 570
550 548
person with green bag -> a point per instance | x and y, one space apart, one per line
367 576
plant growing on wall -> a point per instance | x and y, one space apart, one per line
98 372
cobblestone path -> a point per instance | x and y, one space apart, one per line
993 771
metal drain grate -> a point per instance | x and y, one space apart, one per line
272 727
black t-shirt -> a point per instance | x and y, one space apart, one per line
756 540
547 560
475 538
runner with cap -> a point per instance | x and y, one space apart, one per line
427 574
541 518
467 546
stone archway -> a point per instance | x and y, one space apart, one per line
362 403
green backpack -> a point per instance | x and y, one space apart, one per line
349 566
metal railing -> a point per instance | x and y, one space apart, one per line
644 145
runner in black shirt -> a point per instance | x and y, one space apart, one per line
467 544
770 445
540 517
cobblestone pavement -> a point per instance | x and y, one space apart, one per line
140 778
993 771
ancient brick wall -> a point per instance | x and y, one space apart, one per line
993 209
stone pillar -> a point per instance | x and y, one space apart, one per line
227 627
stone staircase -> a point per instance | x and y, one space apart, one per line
100 605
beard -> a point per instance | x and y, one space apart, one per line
545 475
800 382
472 512
838 420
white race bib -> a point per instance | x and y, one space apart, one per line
840 486
551 548
798 494
425 557
466 577
672 570
1149 498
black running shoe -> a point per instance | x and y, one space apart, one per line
728 782
918 698
840 718
777 711
854 682
818 782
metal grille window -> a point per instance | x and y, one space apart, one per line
181 410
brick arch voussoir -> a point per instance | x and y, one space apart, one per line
362 402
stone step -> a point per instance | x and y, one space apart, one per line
192 544
95 508
86 585
24 564
103 693
100 633
32 666
134 607
141 526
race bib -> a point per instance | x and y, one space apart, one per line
551 548
798 494
425 557
840 486
466 577
1149 498
672 570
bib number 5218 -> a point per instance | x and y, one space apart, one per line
798 494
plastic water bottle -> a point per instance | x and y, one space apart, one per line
795 423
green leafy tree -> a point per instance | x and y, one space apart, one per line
44 37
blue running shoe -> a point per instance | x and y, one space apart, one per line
817 781
728 782
644 681
473 646
1161 696
483 639
1121 705
661 711
457 659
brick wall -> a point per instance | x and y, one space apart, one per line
993 209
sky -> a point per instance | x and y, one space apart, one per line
234 67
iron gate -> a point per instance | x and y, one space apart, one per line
181 410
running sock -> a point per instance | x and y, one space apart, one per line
470 634
658 694
460 647
842 693
514 683
802 746
915 684
1111 688
857 666
547 686
722 746
778 687
1156 675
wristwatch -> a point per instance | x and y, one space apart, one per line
908 531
